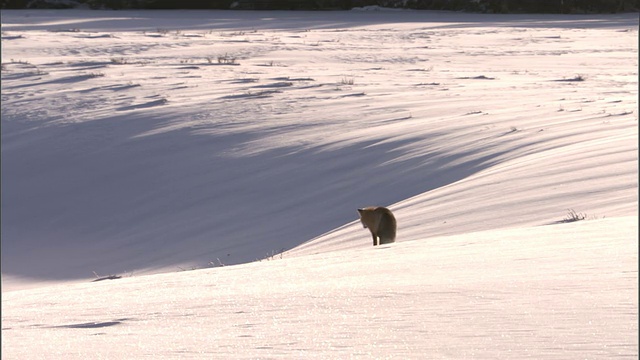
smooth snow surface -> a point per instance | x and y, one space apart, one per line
566 291
137 143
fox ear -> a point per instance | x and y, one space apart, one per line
360 211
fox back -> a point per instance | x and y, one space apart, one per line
380 222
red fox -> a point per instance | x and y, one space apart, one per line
381 222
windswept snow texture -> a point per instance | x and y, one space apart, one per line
148 143
145 142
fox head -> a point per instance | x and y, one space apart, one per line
360 212
368 217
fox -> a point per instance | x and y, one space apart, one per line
381 222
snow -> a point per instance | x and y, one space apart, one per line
542 292
143 144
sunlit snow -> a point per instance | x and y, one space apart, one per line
154 147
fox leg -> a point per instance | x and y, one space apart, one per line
375 239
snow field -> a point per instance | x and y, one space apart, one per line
545 292
143 144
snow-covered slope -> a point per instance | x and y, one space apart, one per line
143 142
566 291
140 142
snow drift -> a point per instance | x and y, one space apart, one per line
552 292
153 141
136 143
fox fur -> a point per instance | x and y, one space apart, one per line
380 222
